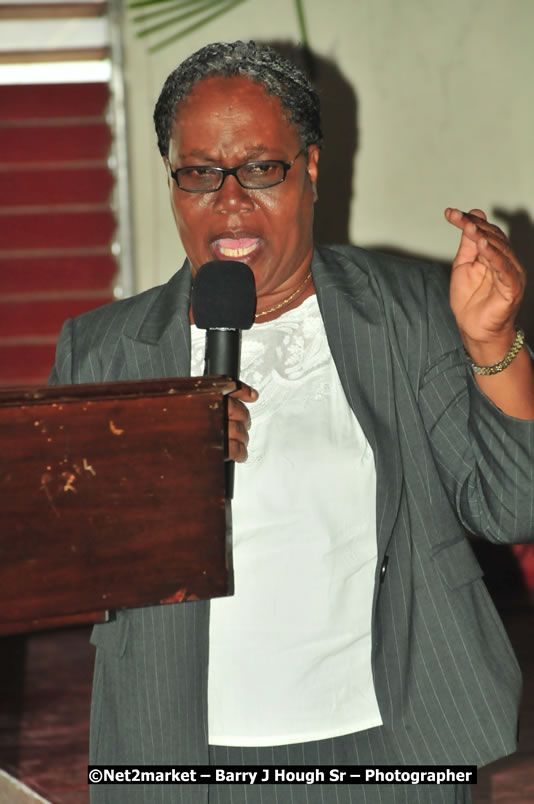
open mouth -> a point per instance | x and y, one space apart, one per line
236 248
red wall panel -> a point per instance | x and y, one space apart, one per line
56 221
21 143
63 184
42 317
26 364
55 230
78 273
48 101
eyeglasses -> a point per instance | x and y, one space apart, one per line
251 175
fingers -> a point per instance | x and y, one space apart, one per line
239 422
455 215
475 225
487 281
492 247
244 392
238 419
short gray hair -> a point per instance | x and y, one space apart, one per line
260 63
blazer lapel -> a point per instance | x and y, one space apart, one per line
161 345
354 318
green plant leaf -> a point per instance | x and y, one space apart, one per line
166 9
299 8
189 29
204 5
143 3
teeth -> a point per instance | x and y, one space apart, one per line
237 252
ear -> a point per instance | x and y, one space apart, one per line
313 167
167 171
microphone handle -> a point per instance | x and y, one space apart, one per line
222 352
223 348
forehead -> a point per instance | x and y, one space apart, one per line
231 112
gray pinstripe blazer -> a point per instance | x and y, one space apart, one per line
447 681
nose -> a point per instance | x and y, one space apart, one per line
232 197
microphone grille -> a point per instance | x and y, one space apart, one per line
224 295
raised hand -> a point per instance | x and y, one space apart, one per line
487 282
487 285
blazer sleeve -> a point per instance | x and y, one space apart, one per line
485 458
78 349
61 373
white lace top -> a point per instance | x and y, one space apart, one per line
290 652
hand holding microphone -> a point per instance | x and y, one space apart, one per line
239 422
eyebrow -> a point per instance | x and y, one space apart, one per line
253 152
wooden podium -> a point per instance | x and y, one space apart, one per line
111 496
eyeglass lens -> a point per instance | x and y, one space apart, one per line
253 175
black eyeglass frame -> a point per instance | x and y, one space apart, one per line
224 172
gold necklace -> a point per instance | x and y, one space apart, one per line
285 301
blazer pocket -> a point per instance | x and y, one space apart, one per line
457 564
112 636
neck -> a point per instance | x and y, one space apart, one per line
302 291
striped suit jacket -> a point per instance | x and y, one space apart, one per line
447 681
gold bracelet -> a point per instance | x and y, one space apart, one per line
502 364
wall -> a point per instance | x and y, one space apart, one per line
436 96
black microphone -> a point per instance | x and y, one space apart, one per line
224 303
